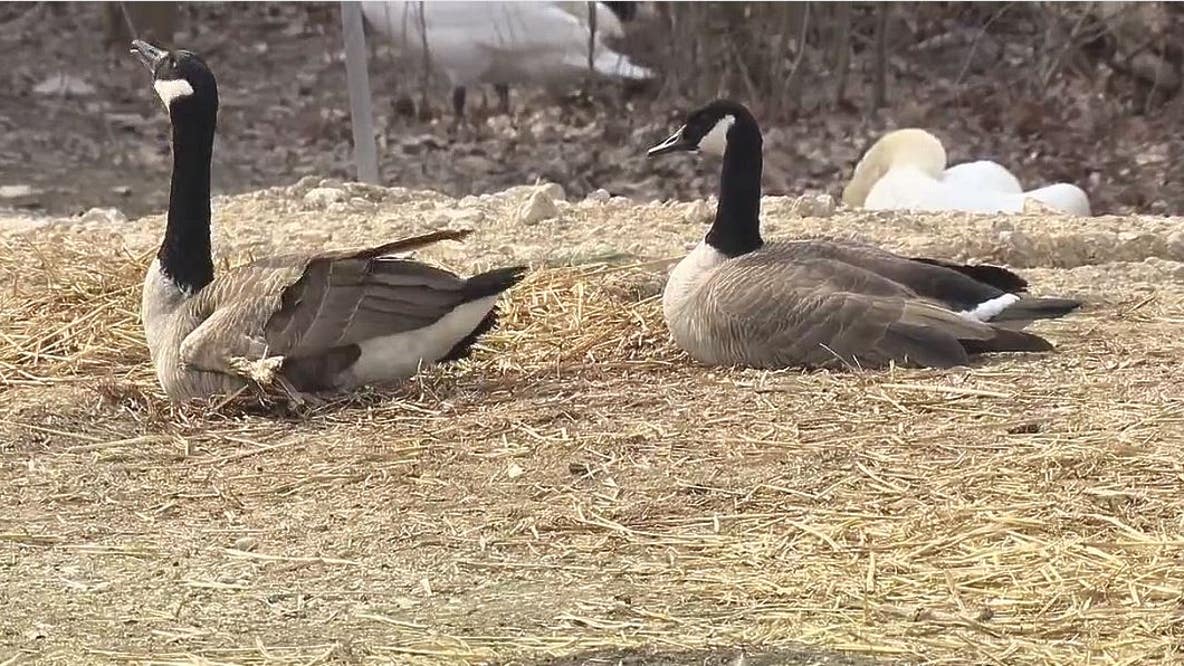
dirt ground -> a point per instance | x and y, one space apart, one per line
582 493
284 115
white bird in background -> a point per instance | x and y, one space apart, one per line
503 43
906 169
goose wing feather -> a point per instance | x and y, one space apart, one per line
302 305
952 285
343 301
820 311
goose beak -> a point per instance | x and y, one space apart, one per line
148 54
677 142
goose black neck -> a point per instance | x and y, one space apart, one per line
185 253
736 229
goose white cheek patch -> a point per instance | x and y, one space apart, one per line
172 90
716 141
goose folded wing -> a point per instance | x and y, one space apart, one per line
957 286
824 312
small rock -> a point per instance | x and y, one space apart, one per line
813 205
360 204
539 207
304 185
338 208
554 190
18 191
476 164
330 182
103 216
544 132
415 145
122 190
64 84
821 205
323 196
696 212
1175 244
598 196
456 218
514 471
366 191
468 217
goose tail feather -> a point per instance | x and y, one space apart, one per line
1030 309
493 282
1006 340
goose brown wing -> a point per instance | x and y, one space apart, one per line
347 297
955 286
819 312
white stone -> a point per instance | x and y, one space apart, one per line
103 216
598 196
323 196
697 212
537 208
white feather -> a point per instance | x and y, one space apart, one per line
982 174
402 354
688 274
715 142
172 90
989 309
906 170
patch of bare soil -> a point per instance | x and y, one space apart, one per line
580 490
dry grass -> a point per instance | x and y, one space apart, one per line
581 486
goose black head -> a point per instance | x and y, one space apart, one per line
709 129
181 78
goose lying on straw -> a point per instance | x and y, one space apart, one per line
503 43
310 322
906 169
739 300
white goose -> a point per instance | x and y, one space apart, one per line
504 43
906 169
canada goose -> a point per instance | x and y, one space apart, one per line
738 300
503 43
906 169
311 322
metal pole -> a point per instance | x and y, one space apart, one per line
358 81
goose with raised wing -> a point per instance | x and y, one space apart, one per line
906 170
738 299
315 322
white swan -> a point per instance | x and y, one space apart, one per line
503 43
906 169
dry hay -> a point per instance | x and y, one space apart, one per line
580 487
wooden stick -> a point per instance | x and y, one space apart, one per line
358 81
